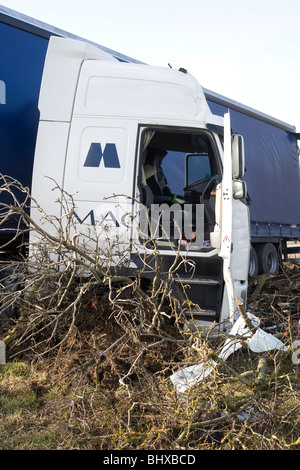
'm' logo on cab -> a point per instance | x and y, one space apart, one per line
109 155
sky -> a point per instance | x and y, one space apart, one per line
247 51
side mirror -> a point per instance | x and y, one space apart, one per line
238 156
239 189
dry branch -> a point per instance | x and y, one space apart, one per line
114 341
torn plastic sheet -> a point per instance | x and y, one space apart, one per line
185 378
259 342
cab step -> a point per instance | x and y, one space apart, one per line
207 281
201 314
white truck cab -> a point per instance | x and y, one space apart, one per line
120 137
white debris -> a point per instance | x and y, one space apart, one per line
189 376
258 342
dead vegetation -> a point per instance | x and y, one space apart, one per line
90 358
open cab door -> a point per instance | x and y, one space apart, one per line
233 219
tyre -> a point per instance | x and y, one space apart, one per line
268 261
253 263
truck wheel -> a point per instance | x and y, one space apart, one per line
268 260
253 263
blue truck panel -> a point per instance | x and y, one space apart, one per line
22 61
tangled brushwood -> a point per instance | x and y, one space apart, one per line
108 344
